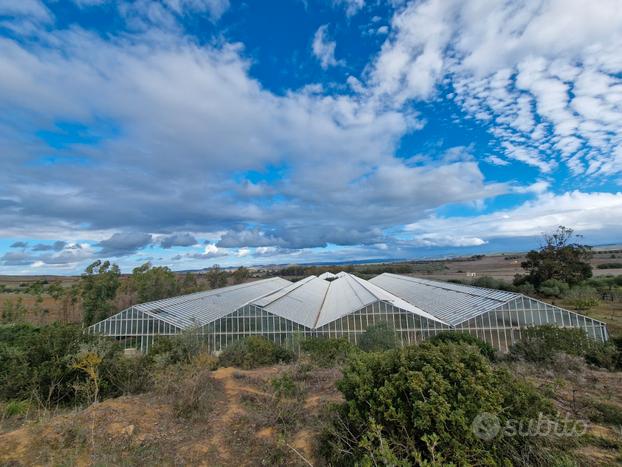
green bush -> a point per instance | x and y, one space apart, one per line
609 266
16 408
39 362
417 406
378 337
554 288
604 355
484 347
180 348
582 297
253 352
540 344
327 352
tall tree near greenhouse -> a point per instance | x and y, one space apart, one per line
98 286
559 258
153 283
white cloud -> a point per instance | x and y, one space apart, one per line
585 212
242 252
352 6
551 97
33 9
324 48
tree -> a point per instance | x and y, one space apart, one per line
153 283
189 284
559 258
98 286
240 275
216 277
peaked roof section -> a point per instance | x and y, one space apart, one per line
299 302
452 303
314 302
204 307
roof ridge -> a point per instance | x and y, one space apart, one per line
319 311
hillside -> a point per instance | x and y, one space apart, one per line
246 423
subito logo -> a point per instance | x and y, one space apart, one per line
486 426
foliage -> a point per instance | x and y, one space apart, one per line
89 360
492 283
559 259
603 412
604 355
58 364
56 290
153 283
416 405
327 352
582 297
216 277
98 287
484 347
553 288
541 344
191 389
36 362
254 351
180 348
13 311
378 337
16 408
610 266
240 275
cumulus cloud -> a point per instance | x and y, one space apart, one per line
210 251
179 239
124 243
324 48
19 244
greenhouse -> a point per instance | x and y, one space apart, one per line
339 305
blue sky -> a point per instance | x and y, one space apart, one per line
195 132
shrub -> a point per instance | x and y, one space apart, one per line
492 283
582 297
604 355
378 337
253 352
553 288
610 265
127 374
417 405
180 348
191 390
327 352
36 361
484 347
540 344
603 412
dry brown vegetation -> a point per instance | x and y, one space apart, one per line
267 416
224 417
